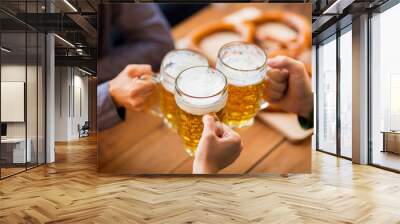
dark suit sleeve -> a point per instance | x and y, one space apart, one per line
106 109
145 37
306 123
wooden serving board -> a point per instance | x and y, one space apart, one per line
285 123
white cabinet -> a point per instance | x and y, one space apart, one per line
16 149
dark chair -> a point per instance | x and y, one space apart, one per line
84 130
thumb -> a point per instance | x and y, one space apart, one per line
138 70
209 123
298 76
295 68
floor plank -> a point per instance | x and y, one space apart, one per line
72 191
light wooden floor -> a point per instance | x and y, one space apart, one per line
387 159
72 191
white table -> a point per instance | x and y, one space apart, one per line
19 155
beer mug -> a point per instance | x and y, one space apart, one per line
244 65
198 91
174 63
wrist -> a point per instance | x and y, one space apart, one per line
308 107
202 167
111 92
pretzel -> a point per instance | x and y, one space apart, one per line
245 30
296 22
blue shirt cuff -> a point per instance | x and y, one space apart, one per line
107 112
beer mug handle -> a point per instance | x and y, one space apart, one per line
155 107
156 78
264 104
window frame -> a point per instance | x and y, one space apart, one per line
27 29
381 9
347 27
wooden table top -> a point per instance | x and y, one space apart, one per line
143 145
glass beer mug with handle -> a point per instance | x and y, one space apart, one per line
244 65
174 63
198 91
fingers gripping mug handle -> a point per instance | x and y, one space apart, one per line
155 108
156 78
264 104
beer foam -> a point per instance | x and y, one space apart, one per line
243 64
202 91
177 61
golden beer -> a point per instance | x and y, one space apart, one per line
199 90
174 63
243 104
167 106
191 129
244 65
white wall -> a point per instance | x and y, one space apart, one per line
61 103
71 93
14 73
17 73
80 110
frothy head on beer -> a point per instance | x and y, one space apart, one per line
243 63
201 90
175 62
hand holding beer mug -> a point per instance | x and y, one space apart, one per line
174 63
198 91
244 65
288 85
132 87
219 147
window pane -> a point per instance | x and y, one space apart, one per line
385 89
314 84
327 96
346 94
14 150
